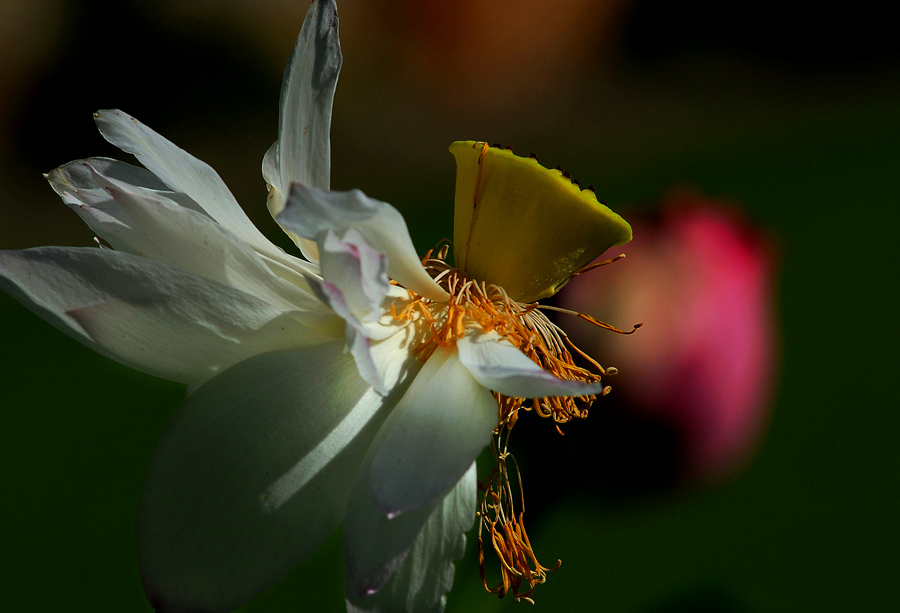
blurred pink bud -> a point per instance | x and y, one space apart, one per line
701 280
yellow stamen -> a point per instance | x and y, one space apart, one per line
479 305
489 308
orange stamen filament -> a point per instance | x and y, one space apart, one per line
589 319
520 571
591 267
479 305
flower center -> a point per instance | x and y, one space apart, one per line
477 304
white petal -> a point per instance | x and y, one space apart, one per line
437 429
276 198
272 174
417 558
356 287
182 172
252 475
193 242
82 185
76 184
375 545
75 181
310 211
370 342
360 347
307 92
360 272
303 151
150 316
499 366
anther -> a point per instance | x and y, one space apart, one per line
591 267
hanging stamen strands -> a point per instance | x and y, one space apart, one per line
520 570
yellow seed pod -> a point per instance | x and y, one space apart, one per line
524 227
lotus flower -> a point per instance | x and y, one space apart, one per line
701 280
356 385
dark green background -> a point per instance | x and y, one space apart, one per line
808 144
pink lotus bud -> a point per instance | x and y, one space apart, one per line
701 281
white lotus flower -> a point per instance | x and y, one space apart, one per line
288 433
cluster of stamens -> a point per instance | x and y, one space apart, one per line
520 570
476 304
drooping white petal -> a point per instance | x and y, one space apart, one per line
499 366
310 211
193 242
409 561
376 545
182 172
83 185
75 181
152 317
252 475
437 429
76 184
302 153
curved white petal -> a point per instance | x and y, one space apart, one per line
360 272
302 153
252 475
152 317
376 545
190 241
276 198
82 185
307 93
356 285
409 564
76 184
437 429
499 366
182 172
310 211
